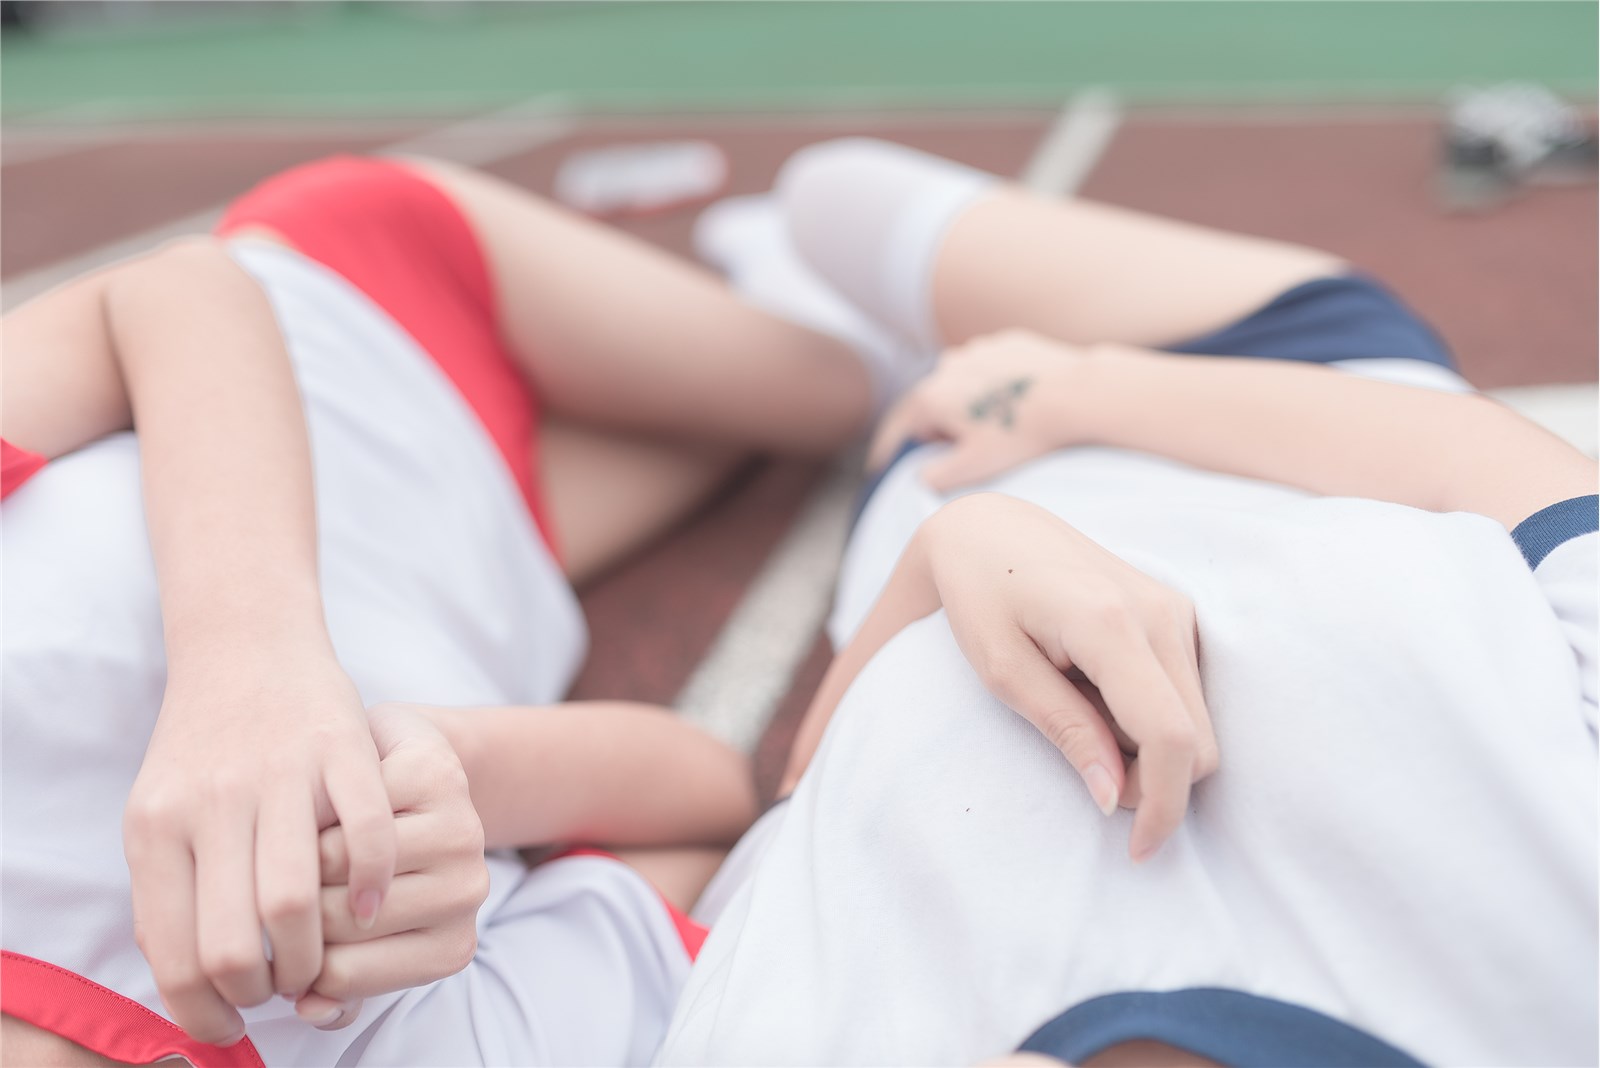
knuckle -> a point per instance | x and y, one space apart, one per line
464 831
330 849
1177 736
179 980
220 792
369 838
1176 610
1067 733
1003 669
229 961
152 813
475 888
209 1031
443 777
460 947
288 903
1106 607
336 981
1207 760
387 708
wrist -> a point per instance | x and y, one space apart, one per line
242 639
1102 391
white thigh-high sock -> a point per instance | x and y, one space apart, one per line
869 217
745 238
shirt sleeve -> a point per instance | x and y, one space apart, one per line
1560 543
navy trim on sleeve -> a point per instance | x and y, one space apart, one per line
1228 1026
1543 531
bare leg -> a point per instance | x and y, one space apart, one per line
680 875
941 253
1086 272
608 493
659 378
616 333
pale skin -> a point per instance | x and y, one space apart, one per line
657 406
1024 377
1036 365
665 797
1101 258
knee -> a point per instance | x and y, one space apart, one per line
828 163
823 179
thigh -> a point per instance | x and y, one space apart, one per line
609 494
1087 272
614 332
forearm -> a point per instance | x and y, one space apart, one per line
909 595
225 456
601 772
182 346
1331 432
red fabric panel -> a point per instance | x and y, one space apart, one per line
403 242
16 467
692 934
82 1011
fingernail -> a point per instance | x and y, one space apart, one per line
1141 853
234 1039
1102 787
326 1018
367 909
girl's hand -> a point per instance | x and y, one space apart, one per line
428 927
250 757
1000 400
1086 648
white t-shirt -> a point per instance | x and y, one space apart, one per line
1401 835
438 589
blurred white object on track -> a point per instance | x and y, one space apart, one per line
641 179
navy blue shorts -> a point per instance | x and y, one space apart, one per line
1346 317
1343 317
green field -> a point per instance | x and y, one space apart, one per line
353 58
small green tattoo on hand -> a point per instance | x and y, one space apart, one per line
1000 403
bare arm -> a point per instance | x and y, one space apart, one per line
1005 399
182 343
909 595
603 772
1332 432
1087 649
261 737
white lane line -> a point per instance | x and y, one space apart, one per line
14 150
27 141
485 139
1570 412
27 286
1074 143
473 142
751 664
750 667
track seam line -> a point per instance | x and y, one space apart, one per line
473 142
738 684
1074 143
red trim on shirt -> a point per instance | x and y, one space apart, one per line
16 466
102 1020
691 933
